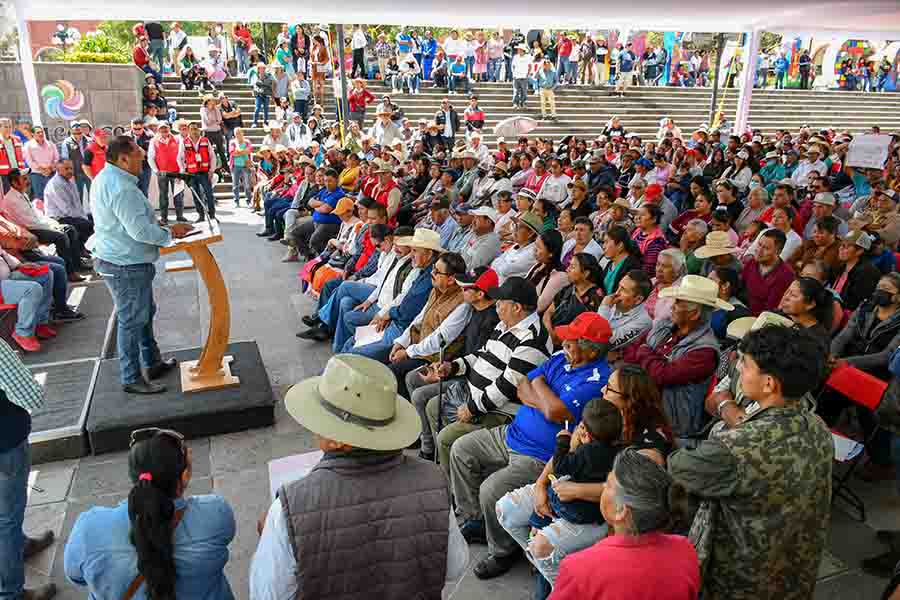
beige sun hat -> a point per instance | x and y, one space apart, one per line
355 402
738 328
694 288
425 238
717 244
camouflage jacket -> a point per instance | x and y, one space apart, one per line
765 490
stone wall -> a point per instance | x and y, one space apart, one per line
112 93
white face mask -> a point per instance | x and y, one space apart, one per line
754 185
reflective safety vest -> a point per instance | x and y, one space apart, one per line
5 163
166 154
196 160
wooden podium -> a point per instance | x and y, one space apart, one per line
212 370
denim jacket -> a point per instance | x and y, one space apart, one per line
546 80
100 556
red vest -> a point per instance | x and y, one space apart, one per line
98 158
5 164
381 197
166 154
196 160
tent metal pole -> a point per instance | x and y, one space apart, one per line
27 62
720 49
340 51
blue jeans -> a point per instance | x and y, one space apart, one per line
779 80
347 322
262 104
494 69
157 52
412 83
520 91
201 186
379 350
470 66
241 175
131 287
562 68
508 62
457 82
276 205
157 76
242 57
32 295
345 297
60 281
15 465
38 183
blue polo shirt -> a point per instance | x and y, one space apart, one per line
331 199
458 69
531 433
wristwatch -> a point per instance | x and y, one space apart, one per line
721 405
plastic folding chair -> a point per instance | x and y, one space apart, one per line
866 391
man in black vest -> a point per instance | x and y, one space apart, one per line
73 148
367 521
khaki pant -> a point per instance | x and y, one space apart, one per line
548 102
453 431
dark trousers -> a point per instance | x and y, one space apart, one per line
804 79
202 188
359 61
144 179
273 206
218 140
84 227
401 368
311 237
300 107
68 245
166 184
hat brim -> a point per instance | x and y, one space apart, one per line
738 328
567 332
710 251
414 243
304 403
678 293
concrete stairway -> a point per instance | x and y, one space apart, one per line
584 111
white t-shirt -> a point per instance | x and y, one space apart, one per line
176 37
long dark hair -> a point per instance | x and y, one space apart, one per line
619 234
591 267
644 406
156 466
814 291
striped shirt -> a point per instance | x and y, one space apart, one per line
495 370
17 381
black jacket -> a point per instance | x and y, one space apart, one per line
441 119
861 282
867 343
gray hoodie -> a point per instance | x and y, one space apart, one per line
626 327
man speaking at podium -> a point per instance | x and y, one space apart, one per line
126 245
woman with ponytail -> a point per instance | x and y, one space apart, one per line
158 544
638 559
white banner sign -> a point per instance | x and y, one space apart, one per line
868 151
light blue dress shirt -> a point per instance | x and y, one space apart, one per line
100 556
125 227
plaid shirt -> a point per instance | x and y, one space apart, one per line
17 381
383 50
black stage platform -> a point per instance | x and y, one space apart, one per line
114 415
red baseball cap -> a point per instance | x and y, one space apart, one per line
654 190
483 282
587 326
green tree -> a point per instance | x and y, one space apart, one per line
769 41
100 47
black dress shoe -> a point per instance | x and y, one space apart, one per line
161 368
494 566
274 237
144 387
265 233
311 320
473 531
316 334
34 546
181 220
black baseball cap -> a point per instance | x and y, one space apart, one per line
379 231
516 289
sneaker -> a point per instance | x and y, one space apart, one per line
318 333
291 257
494 566
28 344
44 332
67 315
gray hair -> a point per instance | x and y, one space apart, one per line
643 486
705 311
679 261
698 225
601 348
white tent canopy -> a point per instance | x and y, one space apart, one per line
879 17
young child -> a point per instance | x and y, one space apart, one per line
583 456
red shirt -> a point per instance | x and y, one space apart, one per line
564 48
764 292
653 566
140 56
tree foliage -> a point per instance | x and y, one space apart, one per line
100 47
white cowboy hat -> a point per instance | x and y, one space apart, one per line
738 328
485 211
355 402
273 125
694 288
426 238
717 244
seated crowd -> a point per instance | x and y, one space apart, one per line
615 349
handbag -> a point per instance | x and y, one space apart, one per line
138 581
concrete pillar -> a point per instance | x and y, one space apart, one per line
25 59
748 76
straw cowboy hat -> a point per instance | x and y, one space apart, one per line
427 239
738 328
273 125
717 244
355 402
694 288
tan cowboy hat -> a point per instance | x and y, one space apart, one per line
622 202
425 238
382 166
383 112
738 328
717 243
355 402
694 288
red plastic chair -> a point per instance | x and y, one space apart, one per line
866 391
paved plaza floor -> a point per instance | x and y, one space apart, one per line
266 306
